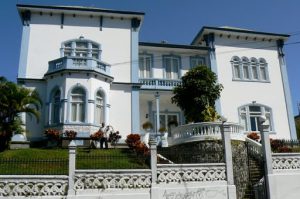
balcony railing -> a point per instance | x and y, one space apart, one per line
160 84
204 131
78 63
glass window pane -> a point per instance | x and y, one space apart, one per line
254 72
244 122
254 108
81 112
237 73
253 122
73 111
246 71
263 73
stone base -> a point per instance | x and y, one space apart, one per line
19 145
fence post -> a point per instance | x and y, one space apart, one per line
72 166
231 189
153 152
267 154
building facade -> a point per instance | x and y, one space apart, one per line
89 67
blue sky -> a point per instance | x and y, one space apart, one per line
176 21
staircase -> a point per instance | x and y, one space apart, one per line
256 173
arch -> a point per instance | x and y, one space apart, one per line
263 69
78 108
100 106
249 114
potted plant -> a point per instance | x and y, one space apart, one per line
54 137
95 137
147 126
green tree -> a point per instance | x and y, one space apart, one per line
15 99
197 94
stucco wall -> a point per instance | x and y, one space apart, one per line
238 93
46 36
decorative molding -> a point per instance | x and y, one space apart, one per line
286 161
110 180
37 186
191 174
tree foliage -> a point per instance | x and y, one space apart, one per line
197 94
15 99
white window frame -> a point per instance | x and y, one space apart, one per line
247 114
145 65
77 103
170 72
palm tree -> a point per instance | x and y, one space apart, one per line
15 99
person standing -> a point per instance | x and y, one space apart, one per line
103 139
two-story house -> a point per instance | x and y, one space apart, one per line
89 67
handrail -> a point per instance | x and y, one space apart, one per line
203 131
254 148
155 83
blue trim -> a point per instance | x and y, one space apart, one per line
286 89
135 96
24 52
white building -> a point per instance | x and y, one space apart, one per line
89 67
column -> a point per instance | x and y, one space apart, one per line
210 42
72 167
286 88
135 110
231 189
157 111
267 154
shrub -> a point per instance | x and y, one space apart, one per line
142 149
97 135
70 134
253 136
276 144
53 134
114 137
132 140
284 149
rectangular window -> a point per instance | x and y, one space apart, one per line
254 72
145 66
246 72
172 65
237 73
263 73
197 61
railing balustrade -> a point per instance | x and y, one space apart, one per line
164 84
203 131
78 63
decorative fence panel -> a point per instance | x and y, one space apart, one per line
286 161
12 186
112 179
178 173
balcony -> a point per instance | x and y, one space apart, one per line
78 63
159 84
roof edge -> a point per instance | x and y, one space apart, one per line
167 45
78 8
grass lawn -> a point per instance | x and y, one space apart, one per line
55 161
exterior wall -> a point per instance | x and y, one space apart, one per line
158 70
238 93
114 39
34 129
120 111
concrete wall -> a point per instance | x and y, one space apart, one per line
46 36
238 93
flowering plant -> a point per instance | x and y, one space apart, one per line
147 125
114 137
253 136
132 140
53 134
70 134
97 135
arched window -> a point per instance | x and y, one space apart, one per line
246 73
254 69
78 105
263 69
235 61
56 107
99 112
81 48
249 116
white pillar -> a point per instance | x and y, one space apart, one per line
157 111
153 152
231 189
72 167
